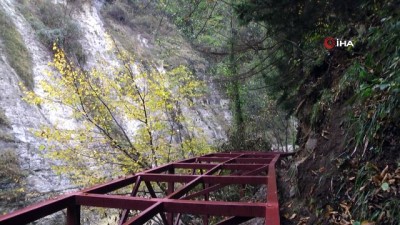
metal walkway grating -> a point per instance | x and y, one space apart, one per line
185 186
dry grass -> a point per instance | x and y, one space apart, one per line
16 51
53 24
11 177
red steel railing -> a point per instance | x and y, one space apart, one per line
186 187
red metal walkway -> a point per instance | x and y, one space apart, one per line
174 191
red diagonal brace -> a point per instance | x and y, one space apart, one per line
245 168
125 213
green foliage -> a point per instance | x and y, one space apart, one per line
372 80
363 80
320 108
316 114
300 19
376 82
302 27
53 24
129 120
190 16
239 65
17 54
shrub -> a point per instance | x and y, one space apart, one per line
11 176
117 13
133 15
53 24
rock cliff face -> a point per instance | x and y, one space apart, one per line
18 118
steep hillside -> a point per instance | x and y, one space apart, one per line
19 147
347 170
86 31
338 73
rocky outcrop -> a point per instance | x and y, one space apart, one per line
18 118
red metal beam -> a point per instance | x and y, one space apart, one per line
114 201
135 189
184 190
37 211
153 195
218 186
146 215
74 215
272 212
248 153
205 178
170 190
238 160
213 159
245 168
204 191
215 208
231 166
112 185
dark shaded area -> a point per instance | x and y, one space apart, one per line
347 105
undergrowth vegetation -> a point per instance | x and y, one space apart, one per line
347 104
376 78
376 187
17 54
357 95
11 177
